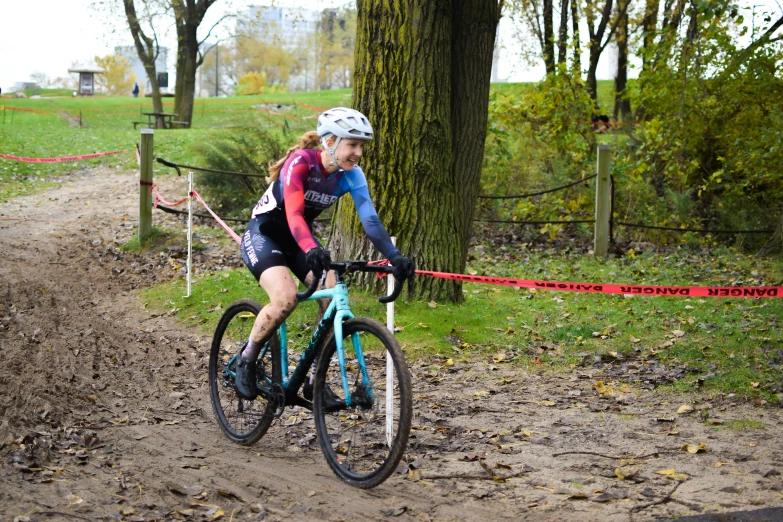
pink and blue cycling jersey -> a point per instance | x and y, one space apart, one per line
304 189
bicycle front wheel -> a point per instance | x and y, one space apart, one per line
242 421
363 442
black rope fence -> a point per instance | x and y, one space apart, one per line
612 222
178 166
534 222
700 230
555 189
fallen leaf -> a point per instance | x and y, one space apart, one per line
471 457
394 512
693 448
678 333
685 408
449 362
432 304
672 474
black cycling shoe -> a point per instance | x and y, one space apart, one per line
331 401
245 381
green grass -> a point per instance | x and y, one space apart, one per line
731 343
744 425
49 127
722 344
605 92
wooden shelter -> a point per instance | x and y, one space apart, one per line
87 79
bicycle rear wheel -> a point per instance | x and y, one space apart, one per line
241 420
363 442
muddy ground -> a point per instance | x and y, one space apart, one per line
105 413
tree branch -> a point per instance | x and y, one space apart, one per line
765 38
613 27
209 33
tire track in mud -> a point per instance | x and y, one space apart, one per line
82 360
106 406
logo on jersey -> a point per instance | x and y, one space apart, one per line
315 179
319 198
291 169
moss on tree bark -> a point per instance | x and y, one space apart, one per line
422 76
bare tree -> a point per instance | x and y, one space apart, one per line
188 16
622 103
562 34
147 47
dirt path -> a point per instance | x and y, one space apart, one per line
104 411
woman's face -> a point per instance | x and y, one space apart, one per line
348 153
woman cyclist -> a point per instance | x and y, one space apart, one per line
307 181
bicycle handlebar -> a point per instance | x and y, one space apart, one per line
301 296
357 266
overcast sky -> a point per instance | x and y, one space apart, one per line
49 35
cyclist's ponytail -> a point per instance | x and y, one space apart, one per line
309 140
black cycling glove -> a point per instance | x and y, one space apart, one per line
404 267
318 260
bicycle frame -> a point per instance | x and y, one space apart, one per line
339 310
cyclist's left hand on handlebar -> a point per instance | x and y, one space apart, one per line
404 267
318 260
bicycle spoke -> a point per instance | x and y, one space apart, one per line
241 420
354 439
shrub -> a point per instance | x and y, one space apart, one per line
247 149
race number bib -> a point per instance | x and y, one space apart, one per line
267 203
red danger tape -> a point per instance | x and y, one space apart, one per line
64 158
159 197
690 291
228 229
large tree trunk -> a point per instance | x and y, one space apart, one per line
187 59
622 104
188 15
422 77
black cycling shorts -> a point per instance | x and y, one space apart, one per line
267 244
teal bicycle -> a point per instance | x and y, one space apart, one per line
361 397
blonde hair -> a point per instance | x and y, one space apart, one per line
309 140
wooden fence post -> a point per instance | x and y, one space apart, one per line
603 199
145 183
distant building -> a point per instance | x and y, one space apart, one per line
289 26
161 66
495 77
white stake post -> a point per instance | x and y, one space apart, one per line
390 363
190 229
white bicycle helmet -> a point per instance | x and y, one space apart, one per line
342 122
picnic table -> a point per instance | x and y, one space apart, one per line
160 120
